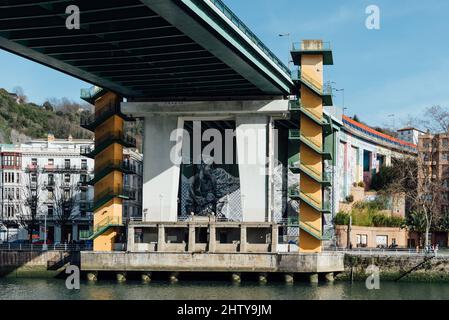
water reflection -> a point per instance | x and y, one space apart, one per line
34 289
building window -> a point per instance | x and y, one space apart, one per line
445 143
67 178
51 162
50 195
34 162
362 240
50 210
84 164
67 163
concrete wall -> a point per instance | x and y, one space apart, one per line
216 262
36 263
371 233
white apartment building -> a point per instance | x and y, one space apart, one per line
410 134
45 182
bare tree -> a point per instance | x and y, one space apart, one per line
436 119
20 94
65 202
414 178
29 207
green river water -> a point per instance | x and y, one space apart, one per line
35 289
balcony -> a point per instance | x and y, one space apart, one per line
110 193
324 91
310 47
92 121
105 141
295 194
101 227
323 178
31 168
64 168
49 184
297 106
113 165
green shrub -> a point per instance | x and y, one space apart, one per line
341 218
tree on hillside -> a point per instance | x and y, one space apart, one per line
20 94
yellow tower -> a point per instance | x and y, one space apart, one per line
109 192
311 56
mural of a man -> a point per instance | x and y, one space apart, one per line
203 191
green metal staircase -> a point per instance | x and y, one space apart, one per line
100 228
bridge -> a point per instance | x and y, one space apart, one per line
176 49
177 62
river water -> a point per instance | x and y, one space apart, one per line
55 289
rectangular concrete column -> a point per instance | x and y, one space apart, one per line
212 237
274 238
191 246
160 237
243 242
251 136
130 243
161 168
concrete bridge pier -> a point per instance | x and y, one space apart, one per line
236 277
174 277
329 277
263 278
92 276
121 276
313 278
146 277
289 278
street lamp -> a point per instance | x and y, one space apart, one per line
288 35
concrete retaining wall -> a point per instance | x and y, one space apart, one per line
392 266
212 262
36 263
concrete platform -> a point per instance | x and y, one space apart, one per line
213 262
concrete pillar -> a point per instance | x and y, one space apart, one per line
212 237
274 237
174 277
75 232
251 138
236 277
130 243
263 278
161 172
289 278
146 277
313 278
191 245
161 238
330 277
121 276
92 276
243 242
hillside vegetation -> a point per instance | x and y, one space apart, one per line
21 121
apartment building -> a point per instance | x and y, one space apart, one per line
46 183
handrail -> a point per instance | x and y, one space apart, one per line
312 81
237 22
325 45
315 171
317 203
115 191
120 164
310 139
116 135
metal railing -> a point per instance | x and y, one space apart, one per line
120 191
90 92
237 22
311 46
116 136
41 247
117 164
103 113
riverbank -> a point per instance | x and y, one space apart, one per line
394 265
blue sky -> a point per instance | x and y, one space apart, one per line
400 69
